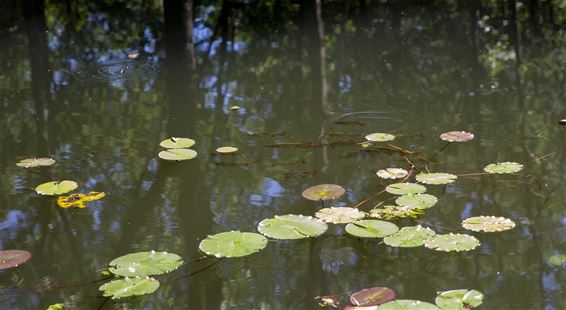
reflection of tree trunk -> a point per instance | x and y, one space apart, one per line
515 36
322 58
178 16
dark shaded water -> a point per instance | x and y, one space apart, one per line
68 90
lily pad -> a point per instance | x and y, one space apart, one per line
392 173
323 192
407 304
129 287
177 143
504 167
488 223
56 187
462 299
78 200
452 243
436 178
418 201
372 296
13 258
408 237
395 212
457 136
380 137
371 229
405 188
36 162
142 264
233 244
292 226
177 154
226 149
58 306
557 260
340 215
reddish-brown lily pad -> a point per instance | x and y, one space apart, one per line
372 296
13 258
457 136
323 192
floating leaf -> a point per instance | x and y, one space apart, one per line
372 296
557 260
292 226
405 188
177 143
380 137
36 162
13 258
339 215
462 299
504 167
78 200
56 187
411 236
392 173
234 107
226 149
129 287
233 244
457 136
177 154
323 192
452 242
133 55
142 264
371 229
395 212
418 201
56 307
436 178
488 223
407 304
329 301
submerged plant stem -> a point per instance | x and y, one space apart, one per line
440 151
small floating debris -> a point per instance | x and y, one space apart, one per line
133 55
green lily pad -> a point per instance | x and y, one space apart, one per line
373 296
418 201
142 264
323 192
56 187
395 212
557 260
340 215
408 237
371 229
380 137
177 143
13 258
405 188
233 244
504 167
436 178
392 173
129 287
462 299
488 223
452 243
407 304
457 136
58 306
226 149
36 162
177 154
292 226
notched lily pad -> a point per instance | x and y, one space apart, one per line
323 192
452 243
405 188
56 187
339 215
418 201
177 154
292 226
78 200
36 162
13 258
142 264
436 178
461 299
407 304
373 296
129 287
411 236
226 149
177 143
457 136
371 229
380 137
392 173
504 167
488 223
233 244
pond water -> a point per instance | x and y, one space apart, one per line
311 80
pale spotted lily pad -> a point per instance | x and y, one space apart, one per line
323 192
371 228
56 187
380 137
177 143
292 226
411 236
142 264
452 243
129 287
405 188
504 167
436 178
418 201
36 162
233 244
339 215
462 299
226 149
395 212
488 223
177 154
392 173
13 258
407 304
372 296
457 136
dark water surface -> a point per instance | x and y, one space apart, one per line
321 74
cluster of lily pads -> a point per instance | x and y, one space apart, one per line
177 149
